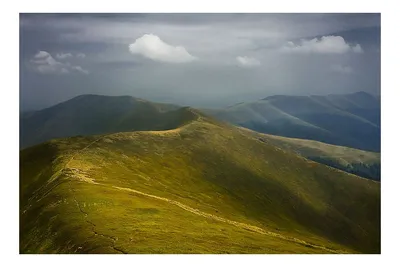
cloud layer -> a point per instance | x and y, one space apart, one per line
44 63
324 45
239 56
247 62
63 55
342 69
152 47
69 55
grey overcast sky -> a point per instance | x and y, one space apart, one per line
201 60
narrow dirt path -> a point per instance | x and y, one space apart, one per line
204 214
235 223
85 214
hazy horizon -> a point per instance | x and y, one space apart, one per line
178 104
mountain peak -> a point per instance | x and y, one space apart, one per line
361 93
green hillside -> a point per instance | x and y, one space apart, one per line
359 162
204 187
96 114
351 120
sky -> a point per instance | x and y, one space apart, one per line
200 60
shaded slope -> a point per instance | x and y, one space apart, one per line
349 120
359 162
206 166
95 114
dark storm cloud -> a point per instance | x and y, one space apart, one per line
199 59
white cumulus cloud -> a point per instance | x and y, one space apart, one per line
357 49
342 69
63 55
247 62
44 63
80 69
324 45
152 47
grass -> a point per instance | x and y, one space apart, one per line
208 166
362 163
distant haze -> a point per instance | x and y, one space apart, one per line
200 60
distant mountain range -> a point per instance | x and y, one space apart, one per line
351 120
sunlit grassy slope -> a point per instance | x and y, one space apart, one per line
362 163
204 187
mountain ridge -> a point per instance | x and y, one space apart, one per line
358 162
351 120
98 114
211 167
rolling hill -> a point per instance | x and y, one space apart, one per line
351 120
95 114
359 162
201 187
